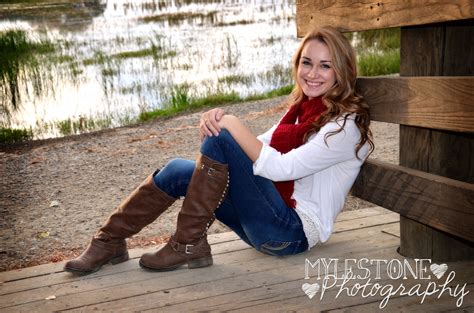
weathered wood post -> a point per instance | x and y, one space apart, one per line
445 49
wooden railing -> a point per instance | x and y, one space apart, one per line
433 101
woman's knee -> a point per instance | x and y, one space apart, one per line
174 177
179 169
226 137
220 142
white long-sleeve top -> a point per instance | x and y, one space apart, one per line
323 174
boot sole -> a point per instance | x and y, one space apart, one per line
116 260
198 263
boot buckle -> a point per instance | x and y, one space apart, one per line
186 249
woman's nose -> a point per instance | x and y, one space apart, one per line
314 72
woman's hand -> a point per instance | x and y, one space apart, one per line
209 124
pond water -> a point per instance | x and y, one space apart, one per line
115 59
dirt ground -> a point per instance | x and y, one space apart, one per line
55 193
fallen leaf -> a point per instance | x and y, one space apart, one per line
54 204
50 297
42 234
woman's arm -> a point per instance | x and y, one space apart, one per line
312 157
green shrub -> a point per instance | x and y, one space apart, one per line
374 64
14 135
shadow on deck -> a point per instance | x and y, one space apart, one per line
244 279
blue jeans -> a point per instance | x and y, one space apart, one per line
253 208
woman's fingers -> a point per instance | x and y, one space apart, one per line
209 124
212 126
219 114
201 135
203 128
213 117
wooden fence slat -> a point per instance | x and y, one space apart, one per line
362 15
436 201
432 102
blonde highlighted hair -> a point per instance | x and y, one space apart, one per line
341 99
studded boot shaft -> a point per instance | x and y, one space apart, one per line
206 191
108 245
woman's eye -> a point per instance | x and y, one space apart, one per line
305 62
325 66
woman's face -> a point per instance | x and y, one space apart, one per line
315 73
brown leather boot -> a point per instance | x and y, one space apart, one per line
206 191
108 245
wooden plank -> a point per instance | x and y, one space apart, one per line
439 202
432 102
93 290
369 221
67 286
54 279
361 213
285 297
214 239
227 294
246 275
348 15
52 268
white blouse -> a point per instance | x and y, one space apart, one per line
323 174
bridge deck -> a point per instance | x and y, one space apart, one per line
245 280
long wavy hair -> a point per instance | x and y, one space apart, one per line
341 99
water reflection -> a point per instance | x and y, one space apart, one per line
73 15
126 57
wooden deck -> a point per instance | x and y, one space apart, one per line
246 280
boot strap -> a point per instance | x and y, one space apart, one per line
182 248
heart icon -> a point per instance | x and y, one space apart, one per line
310 289
438 269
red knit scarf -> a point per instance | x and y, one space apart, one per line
288 136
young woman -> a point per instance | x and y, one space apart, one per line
280 192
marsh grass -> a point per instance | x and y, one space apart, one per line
282 91
20 64
272 40
378 51
230 52
14 135
178 17
156 51
234 23
81 125
236 79
384 39
277 72
383 63
181 101
153 52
